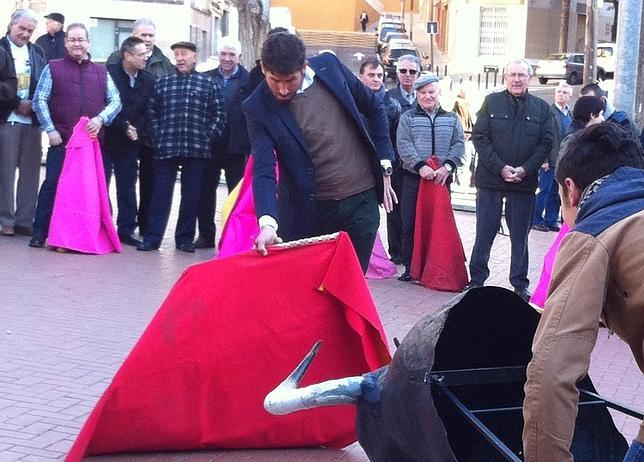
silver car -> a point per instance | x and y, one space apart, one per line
563 66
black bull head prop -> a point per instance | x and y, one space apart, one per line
470 355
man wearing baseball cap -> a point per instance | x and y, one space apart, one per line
53 42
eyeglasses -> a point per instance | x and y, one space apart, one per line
518 76
411 71
78 40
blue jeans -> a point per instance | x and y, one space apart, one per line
124 162
635 452
55 160
547 199
519 207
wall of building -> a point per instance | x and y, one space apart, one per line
542 29
339 15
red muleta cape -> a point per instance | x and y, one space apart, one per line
229 332
438 259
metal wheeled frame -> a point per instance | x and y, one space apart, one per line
498 375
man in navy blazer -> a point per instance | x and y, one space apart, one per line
333 167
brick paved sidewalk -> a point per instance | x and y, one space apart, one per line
67 321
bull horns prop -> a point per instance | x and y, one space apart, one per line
287 397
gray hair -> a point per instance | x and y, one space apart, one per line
230 43
414 59
566 86
23 13
523 62
77 25
144 22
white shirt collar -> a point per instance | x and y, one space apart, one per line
307 81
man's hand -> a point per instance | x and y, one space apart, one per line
519 174
507 173
426 172
54 138
94 126
131 132
390 197
24 108
267 236
440 176
545 166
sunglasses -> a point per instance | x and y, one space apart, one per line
411 71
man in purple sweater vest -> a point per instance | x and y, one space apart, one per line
68 89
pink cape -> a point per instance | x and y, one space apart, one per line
541 293
241 228
81 218
231 330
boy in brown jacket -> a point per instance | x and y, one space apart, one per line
598 274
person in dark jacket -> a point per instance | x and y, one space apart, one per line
372 75
53 42
122 144
611 113
20 141
230 151
8 83
546 209
186 115
158 65
513 135
333 168
407 70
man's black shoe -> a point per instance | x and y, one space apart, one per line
24 230
405 276
540 227
147 246
471 285
523 293
555 228
202 243
186 247
129 239
37 242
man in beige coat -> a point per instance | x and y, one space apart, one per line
598 275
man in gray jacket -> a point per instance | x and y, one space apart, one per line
425 131
513 135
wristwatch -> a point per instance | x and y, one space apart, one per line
449 167
388 170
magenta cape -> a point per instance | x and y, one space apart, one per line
541 293
230 331
241 229
81 218
438 259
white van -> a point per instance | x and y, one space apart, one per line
606 59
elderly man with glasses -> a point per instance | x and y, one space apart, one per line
407 70
513 135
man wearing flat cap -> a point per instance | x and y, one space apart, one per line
424 131
53 42
186 114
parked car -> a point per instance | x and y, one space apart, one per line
606 59
386 29
395 51
563 66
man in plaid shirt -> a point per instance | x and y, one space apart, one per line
186 114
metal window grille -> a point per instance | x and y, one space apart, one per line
494 31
